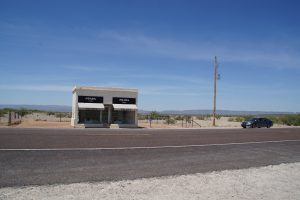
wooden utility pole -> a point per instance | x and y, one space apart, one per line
215 91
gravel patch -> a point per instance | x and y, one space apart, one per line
271 182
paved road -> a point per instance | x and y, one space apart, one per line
69 165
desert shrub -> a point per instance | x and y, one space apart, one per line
154 115
170 121
23 112
288 119
179 117
58 115
68 115
63 114
218 116
50 113
2 113
188 118
231 119
240 118
142 117
207 117
6 110
200 117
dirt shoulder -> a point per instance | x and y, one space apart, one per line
42 124
271 182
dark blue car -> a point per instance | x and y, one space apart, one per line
257 123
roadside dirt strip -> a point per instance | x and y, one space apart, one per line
264 183
47 156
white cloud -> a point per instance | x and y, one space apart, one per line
100 68
283 53
269 54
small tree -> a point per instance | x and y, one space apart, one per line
50 113
200 117
1 113
59 115
170 120
23 112
188 118
218 116
154 115
179 117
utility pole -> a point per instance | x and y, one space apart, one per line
215 90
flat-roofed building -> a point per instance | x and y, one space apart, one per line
104 107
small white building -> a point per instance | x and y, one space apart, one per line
104 107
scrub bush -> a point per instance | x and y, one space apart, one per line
179 117
200 117
218 116
2 113
170 121
23 112
142 117
50 113
231 119
289 119
236 119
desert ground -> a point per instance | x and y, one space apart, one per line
43 120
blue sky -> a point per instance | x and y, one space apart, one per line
163 48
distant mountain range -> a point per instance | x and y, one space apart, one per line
58 108
53 108
219 112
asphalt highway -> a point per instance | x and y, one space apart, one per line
51 156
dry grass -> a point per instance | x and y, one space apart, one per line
222 122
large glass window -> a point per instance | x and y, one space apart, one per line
89 116
123 117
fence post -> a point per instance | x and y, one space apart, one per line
192 123
9 118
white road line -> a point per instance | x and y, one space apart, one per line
154 147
